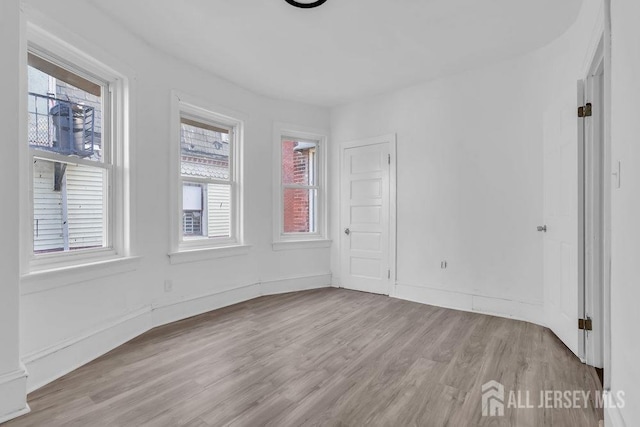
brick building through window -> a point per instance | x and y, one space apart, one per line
299 169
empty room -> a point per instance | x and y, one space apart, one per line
319 213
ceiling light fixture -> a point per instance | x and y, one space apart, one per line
306 4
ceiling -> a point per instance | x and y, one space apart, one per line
346 49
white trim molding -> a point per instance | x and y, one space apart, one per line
301 244
295 284
13 392
61 47
51 363
392 140
186 106
196 255
44 280
511 309
164 312
286 241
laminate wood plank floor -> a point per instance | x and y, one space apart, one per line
328 357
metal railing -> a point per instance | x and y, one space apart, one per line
61 126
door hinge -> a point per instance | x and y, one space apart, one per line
388 274
389 158
585 324
585 111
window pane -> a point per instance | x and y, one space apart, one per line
68 207
219 210
206 210
299 162
300 207
62 117
192 209
204 150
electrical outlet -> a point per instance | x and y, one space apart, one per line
443 264
168 285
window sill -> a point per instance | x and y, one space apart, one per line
289 245
56 277
195 255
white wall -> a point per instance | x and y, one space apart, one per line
470 175
79 318
12 377
476 140
625 241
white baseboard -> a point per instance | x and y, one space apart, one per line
519 310
335 281
295 284
13 402
163 313
612 414
51 363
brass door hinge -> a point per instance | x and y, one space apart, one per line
585 324
585 111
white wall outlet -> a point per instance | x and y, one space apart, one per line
168 285
443 264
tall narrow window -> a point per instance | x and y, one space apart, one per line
71 158
207 178
299 185
300 215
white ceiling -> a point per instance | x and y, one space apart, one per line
345 49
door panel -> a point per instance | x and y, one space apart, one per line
594 220
562 184
365 209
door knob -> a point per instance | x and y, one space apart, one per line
347 231
542 228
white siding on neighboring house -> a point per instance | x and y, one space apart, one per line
47 209
85 189
219 210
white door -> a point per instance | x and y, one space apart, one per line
365 218
595 213
562 278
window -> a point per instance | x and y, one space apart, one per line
75 193
300 185
71 158
301 214
207 149
206 172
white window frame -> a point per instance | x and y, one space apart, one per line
318 238
117 159
198 249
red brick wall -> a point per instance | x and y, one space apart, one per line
295 170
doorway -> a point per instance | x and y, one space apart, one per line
368 215
594 204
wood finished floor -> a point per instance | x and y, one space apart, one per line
323 357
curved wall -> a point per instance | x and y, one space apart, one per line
471 164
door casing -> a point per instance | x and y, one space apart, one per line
389 139
594 202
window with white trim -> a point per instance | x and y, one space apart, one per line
208 196
300 186
75 159
301 194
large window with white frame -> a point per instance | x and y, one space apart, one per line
208 179
301 190
75 159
